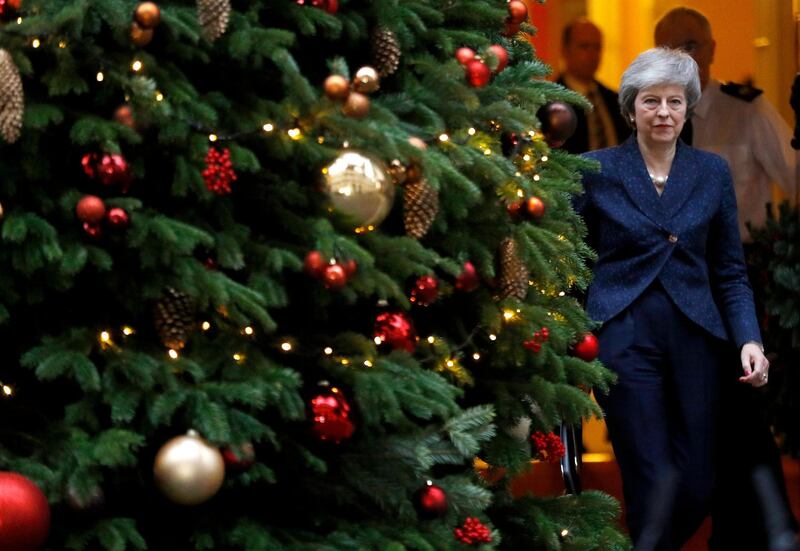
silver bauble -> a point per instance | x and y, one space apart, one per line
188 470
359 186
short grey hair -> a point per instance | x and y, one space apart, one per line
656 67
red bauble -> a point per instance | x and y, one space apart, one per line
473 531
514 209
90 209
532 344
8 8
332 420
113 169
314 264
464 55
240 457
396 330
219 173
124 115
334 276
558 122
331 6
587 348
117 218
24 514
502 56
430 501
535 208
350 268
93 230
511 29
517 11
425 290
469 279
478 73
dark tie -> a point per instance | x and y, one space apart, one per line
686 133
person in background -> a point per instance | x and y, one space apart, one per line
670 287
738 123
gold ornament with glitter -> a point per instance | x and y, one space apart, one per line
513 273
12 99
213 16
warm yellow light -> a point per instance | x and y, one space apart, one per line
471 131
564 533
431 339
295 133
476 356
7 390
212 137
127 330
328 350
248 331
173 353
561 293
136 66
286 346
367 363
239 357
321 139
518 173
345 361
62 44
36 43
205 326
531 133
536 177
450 363
520 193
19 21
100 76
509 315
487 151
378 340
544 158
492 337
526 157
443 138
268 127
105 337
159 96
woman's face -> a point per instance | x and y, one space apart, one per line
660 113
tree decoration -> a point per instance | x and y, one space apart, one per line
549 447
188 470
425 290
587 348
174 317
517 12
500 55
336 88
478 73
12 99
420 207
314 263
334 276
430 501
539 337
366 80
396 330
331 416
356 105
534 207
219 173
9 8
473 532
385 51
350 268
24 514
513 273
358 186
239 457
213 16
94 231
558 122
117 218
509 143
109 168
124 115
330 6
1 211
147 15
140 36
90 209
468 280
464 55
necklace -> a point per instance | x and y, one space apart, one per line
659 181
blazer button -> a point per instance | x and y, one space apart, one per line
673 238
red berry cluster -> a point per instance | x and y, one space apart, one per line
549 446
334 275
473 531
478 72
219 172
539 337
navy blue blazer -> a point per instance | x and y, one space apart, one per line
687 238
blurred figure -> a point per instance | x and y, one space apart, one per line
603 126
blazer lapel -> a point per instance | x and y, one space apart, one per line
637 181
682 179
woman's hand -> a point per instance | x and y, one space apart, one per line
754 364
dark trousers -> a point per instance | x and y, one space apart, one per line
661 415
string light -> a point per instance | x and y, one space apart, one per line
450 363
328 350
100 76
205 326
487 151
444 138
36 43
492 337
531 133
476 356
561 293
536 177
7 390
136 66
172 353
268 127
564 533
378 340
295 133
238 358
212 137
509 315
520 193
345 361
248 331
471 131
544 158
286 346
526 157
105 337
431 339
19 21
127 330
320 140
62 44
367 363
159 96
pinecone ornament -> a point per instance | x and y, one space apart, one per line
385 51
513 273
420 206
213 16
12 99
174 318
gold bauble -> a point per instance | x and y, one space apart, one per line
359 187
337 88
419 143
139 35
188 470
367 80
356 106
147 14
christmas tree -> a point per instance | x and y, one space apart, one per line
277 273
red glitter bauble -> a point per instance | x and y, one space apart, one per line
331 416
334 276
240 457
514 209
535 208
112 169
396 330
469 279
219 173
587 348
464 55
478 73
430 501
517 11
425 290
24 514
117 218
473 531
502 56
90 209
314 264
